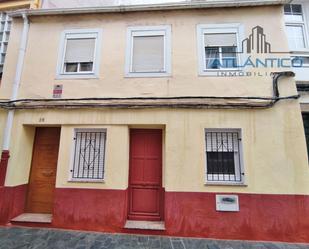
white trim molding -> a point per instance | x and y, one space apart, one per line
79 34
149 7
165 31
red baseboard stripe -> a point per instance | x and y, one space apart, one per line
12 202
261 216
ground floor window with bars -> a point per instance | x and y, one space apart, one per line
88 155
223 155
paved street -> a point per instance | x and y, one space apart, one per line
22 238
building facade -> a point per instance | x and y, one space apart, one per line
138 119
297 27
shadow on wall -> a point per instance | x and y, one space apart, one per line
50 4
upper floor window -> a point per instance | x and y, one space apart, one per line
148 51
218 47
293 12
79 55
295 26
223 156
5 28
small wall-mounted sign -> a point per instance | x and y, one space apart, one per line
57 91
227 203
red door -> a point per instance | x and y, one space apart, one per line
145 176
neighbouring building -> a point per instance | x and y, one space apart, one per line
296 16
5 24
155 118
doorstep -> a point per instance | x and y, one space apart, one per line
33 218
145 225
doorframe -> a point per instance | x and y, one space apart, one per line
162 188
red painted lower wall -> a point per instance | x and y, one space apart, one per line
12 202
261 217
90 209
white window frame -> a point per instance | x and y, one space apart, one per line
164 30
301 24
203 29
237 159
71 178
79 34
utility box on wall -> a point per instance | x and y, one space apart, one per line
227 203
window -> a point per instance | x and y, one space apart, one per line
5 28
218 47
295 26
88 155
220 51
80 54
296 37
148 51
293 12
223 156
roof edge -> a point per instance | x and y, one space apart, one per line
147 7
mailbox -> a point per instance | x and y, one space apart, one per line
227 203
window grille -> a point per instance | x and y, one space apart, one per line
223 156
5 28
89 155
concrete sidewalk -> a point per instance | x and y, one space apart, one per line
34 238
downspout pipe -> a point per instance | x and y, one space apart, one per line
16 84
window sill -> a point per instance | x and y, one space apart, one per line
147 75
76 76
218 73
85 181
302 52
238 184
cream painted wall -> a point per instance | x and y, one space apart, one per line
116 157
273 142
275 157
44 40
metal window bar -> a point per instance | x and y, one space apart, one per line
223 156
89 154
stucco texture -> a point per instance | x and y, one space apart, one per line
274 146
39 73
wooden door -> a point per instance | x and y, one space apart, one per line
145 176
43 170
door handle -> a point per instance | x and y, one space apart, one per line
47 173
